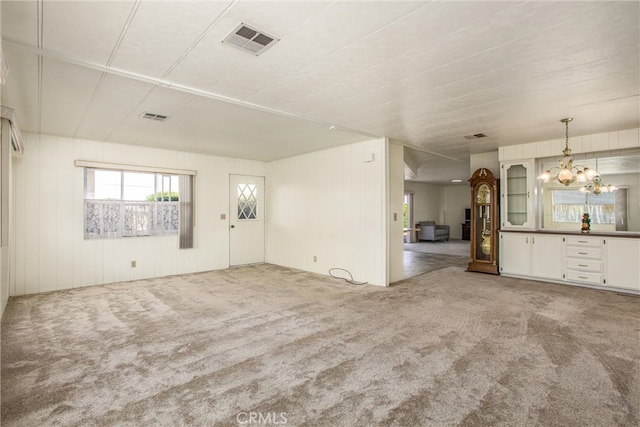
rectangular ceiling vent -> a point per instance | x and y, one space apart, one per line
476 136
250 40
156 117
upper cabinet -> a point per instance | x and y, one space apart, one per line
516 205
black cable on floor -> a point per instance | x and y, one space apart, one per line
349 280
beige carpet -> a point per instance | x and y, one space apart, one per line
445 348
416 263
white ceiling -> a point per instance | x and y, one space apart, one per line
422 73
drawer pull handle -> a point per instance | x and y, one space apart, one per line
582 277
582 253
583 265
582 241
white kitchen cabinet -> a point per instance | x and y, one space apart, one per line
622 262
546 256
583 259
515 254
516 204
598 261
531 255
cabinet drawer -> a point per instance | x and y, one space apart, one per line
585 277
584 252
584 241
585 264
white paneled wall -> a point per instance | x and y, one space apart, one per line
628 138
5 194
50 252
395 218
330 204
487 160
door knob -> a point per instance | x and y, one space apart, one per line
233 226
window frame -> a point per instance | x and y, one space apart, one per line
127 212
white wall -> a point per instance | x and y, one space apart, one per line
428 201
5 195
330 204
487 160
616 140
457 198
50 252
396 199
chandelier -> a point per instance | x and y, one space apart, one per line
566 172
596 186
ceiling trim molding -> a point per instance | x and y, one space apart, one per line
63 57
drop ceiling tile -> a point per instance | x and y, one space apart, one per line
67 92
425 27
209 126
116 98
161 32
310 43
88 30
211 61
20 21
160 100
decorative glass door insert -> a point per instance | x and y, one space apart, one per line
247 201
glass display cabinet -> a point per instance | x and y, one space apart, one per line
517 203
484 222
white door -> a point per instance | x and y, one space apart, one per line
246 219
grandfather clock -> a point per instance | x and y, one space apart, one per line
484 222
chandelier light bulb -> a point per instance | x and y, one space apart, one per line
590 173
546 176
566 176
580 177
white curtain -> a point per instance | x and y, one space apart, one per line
106 219
599 214
187 216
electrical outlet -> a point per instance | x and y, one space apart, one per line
133 264
223 216
315 258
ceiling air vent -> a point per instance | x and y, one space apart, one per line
476 136
250 40
156 117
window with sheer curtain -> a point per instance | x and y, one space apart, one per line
121 203
569 205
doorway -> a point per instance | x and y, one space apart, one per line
407 217
246 220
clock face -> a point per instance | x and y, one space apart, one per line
483 196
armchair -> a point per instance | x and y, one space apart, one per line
432 232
